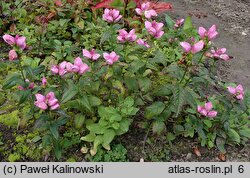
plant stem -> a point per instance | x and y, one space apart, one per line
21 70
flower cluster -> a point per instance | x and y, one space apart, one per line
210 34
48 101
238 91
111 15
154 28
19 41
206 110
90 54
219 54
111 58
145 10
67 67
126 36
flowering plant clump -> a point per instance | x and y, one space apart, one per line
83 76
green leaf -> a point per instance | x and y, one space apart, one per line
164 90
96 128
124 127
106 36
145 84
98 141
54 130
24 95
158 127
58 150
220 143
84 103
234 135
131 5
94 101
136 65
169 21
188 23
69 93
154 110
245 132
12 81
79 120
89 138
208 123
170 136
108 136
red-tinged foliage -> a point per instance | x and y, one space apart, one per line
160 6
58 3
157 6
103 4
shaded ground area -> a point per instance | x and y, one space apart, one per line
232 18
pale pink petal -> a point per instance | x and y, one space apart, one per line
203 112
9 39
138 11
225 57
208 106
159 34
40 98
213 35
20 41
83 68
52 101
199 108
78 61
186 46
202 32
212 114
41 105
96 56
197 47
69 67
231 90
212 29
148 25
54 69
54 107
240 97
86 53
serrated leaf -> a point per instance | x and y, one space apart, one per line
79 120
158 127
234 135
89 138
69 93
154 110
169 21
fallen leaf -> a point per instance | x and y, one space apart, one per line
13 28
197 151
222 157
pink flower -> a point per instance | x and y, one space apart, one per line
238 92
220 54
125 36
111 58
211 33
18 40
31 85
154 28
9 39
43 102
111 15
144 9
54 69
207 110
197 47
62 68
179 23
150 13
90 54
12 55
79 66
142 42
44 81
